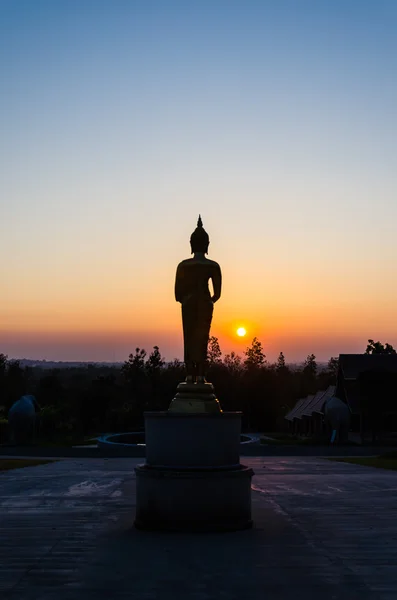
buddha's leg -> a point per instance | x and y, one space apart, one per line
201 372
204 333
190 371
188 320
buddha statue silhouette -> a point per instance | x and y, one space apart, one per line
192 291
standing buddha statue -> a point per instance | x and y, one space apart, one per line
192 291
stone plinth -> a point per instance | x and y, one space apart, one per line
192 479
192 441
193 500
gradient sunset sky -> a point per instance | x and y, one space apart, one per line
121 121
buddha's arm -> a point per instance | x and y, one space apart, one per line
217 283
179 284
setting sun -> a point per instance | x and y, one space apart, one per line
241 331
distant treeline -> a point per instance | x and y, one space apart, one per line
91 399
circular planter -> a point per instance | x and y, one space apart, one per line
137 438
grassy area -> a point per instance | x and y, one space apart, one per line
282 441
378 462
6 464
277 439
59 440
66 441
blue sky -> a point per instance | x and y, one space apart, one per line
122 120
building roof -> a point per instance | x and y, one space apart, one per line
302 409
319 407
308 409
305 407
300 406
350 367
353 364
297 406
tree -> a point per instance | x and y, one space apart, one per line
138 386
134 368
310 366
214 352
3 362
378 348
254 355
175 364
280 361
135 364
281 366
154 368
333 365
15 381
3 367
49 389
155 361
232 362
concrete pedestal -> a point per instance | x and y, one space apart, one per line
192 479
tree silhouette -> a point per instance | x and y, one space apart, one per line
3 362
281 366
233 362
86 400
310 366
3 369
379 348
154 367
139 387
214 352
16 381
135 364
155 361
254 355
333 365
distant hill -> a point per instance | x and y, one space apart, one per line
52 364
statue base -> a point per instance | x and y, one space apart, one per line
195 501
193 479
195 398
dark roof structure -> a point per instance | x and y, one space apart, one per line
306 407
307 411
350 368
354 364
291 414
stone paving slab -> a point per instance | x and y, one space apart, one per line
252 450
322 530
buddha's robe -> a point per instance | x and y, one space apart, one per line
192 291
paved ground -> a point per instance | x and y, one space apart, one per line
246 450
323 530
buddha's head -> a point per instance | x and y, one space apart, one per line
199 240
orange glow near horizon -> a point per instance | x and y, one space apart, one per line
120 320
83 312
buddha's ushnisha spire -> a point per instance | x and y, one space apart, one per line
199 239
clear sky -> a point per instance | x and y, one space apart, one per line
121 120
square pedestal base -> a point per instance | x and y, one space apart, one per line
197 500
